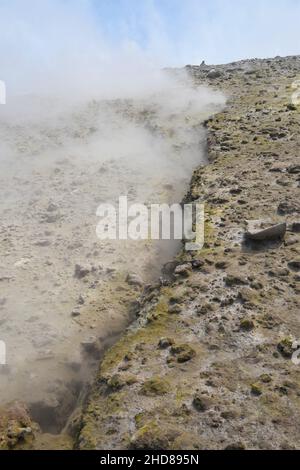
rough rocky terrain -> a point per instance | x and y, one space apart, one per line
207 364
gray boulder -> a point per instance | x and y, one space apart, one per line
213 73
258 232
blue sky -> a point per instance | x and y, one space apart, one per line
54 38
175 32
217 30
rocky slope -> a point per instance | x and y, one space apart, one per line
58 164
207 364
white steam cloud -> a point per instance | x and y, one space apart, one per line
95 121
58 47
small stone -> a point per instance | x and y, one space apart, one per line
175 309
294 264
45 355
110 270
274 232
42 243
289 241
51 218
236 446
292 107
201 403
256 285
256 390
18 433
81 271
81 300
213 73
221 264
248 296
229 414
165 343
294 169
235 190
288 207
75 313
279 272
247 324
22 262
118 381
285 347
153 436
265 378
134 280
183 270
183 352
169 267
198 263
295 227
176 299
235 280
52 207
